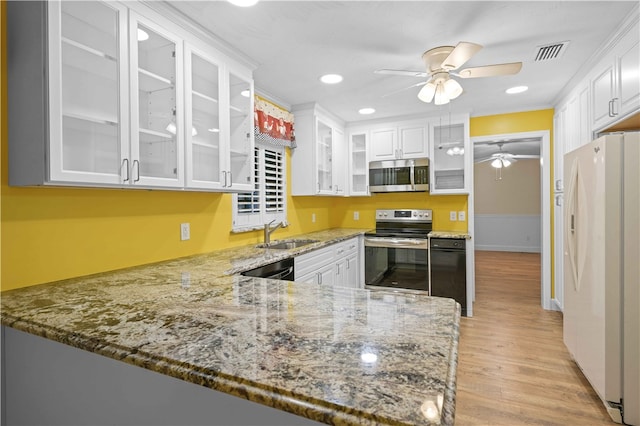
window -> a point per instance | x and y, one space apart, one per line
268 201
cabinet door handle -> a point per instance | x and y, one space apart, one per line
319 277
559 200
230 179
348 264
136 165
125 164
318 187
614 102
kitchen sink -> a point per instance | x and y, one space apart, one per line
287 244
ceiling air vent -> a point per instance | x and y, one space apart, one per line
549 52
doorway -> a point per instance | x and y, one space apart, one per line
492 147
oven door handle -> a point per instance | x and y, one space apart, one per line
407 243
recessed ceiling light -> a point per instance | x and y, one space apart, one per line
331 78
366 111
243 3
516 89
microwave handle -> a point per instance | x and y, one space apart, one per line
412 177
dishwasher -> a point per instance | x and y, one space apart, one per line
448 265
280 270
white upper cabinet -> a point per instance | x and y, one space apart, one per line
358 170
399 140
72 125
157 125
203 117
241 138
615 85
318 161
450 156
218 157
121 104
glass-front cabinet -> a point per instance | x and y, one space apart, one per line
241 138
358 167
202 105
324 155
88 114
130 99
157 107
450 155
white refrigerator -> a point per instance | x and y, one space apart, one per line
602 269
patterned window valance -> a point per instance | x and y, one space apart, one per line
272 124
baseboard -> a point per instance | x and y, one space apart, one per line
521 249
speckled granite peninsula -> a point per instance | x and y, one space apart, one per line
332 354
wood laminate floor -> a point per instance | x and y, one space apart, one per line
513 367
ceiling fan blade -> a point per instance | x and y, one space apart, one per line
460 54
404 88
407 73
522 156
491 70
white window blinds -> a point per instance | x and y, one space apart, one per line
267 201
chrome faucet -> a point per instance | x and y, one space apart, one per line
268 230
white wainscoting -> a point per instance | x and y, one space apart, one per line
521 233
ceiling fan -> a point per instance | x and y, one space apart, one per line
502 158
441 61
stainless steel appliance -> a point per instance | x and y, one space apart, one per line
281 270
396 253
399 175
448 264
601 317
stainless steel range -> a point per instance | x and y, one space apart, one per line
397 252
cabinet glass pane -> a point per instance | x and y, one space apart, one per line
205 116
359 163
449 157
90 87
324 146
157 105
241 117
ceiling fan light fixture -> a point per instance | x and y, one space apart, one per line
497 163
427 92
441 97
505 162
452 88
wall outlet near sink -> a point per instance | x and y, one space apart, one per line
462 216
453 216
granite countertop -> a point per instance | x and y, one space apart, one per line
331 354
450 234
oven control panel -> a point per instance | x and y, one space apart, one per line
404 215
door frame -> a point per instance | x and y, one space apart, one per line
545 205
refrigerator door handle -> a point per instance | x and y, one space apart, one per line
570 216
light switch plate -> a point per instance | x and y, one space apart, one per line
453 216
462 216
356 215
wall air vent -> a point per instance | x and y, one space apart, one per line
551 51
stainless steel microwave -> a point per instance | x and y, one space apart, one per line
399 175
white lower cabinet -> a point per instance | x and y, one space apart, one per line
337 264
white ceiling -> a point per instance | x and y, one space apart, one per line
293 43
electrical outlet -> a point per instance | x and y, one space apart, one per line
453 216
313 218
462 216
356 215
185 232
